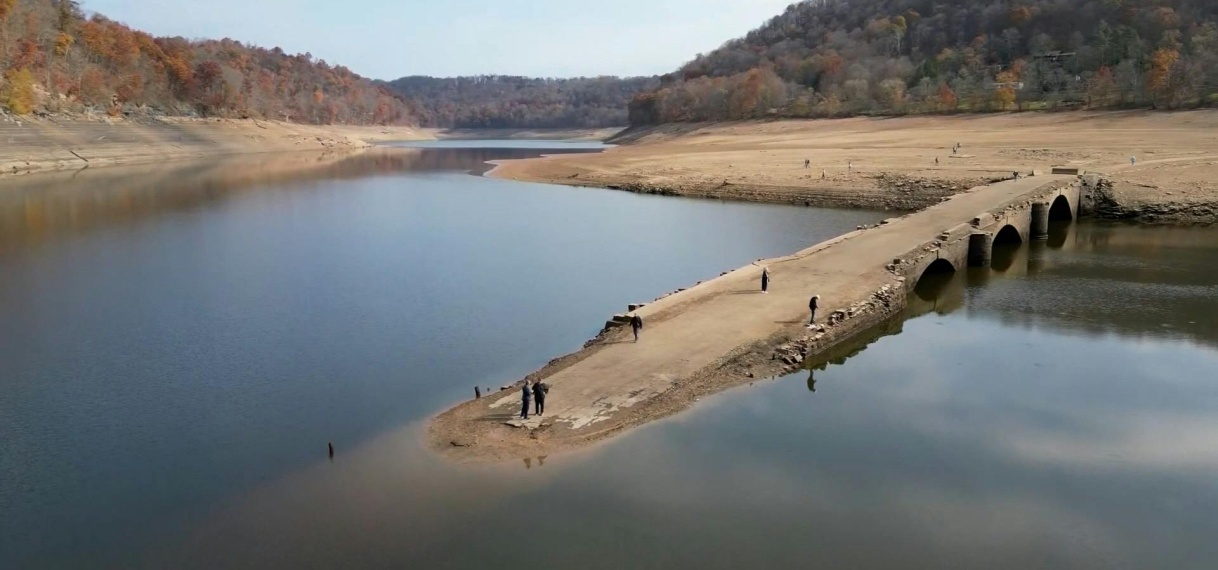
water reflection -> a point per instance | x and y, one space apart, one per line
961 440
38 208
181 341
1093 278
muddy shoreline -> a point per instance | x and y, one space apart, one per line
46 144
1162 164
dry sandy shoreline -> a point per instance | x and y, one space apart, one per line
30 145
890 163
588 135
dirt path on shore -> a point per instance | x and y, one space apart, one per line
713 336
71 143
890 163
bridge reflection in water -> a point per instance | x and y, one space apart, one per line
1073 281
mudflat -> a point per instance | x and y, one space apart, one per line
891 162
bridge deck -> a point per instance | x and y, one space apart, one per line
727 313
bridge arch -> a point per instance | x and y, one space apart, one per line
1008 235
1061 210
1006 246
937 267
934 279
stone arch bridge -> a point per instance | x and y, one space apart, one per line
724 332
972 244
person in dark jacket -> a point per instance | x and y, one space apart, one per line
526 395
540 390
636 325
812 308
765 279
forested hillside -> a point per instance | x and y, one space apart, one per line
54 59
496 101
840 57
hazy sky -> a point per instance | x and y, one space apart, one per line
386 39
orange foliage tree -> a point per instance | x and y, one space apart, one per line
1159 79
947 98
19 94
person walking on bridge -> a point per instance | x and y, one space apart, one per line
526 395
812 308
765 279
636 325
540 389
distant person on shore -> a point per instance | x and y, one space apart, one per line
525 395
936 161
1133 160
540 390
807 163
824 174
636 325
812 308
765 279
850 167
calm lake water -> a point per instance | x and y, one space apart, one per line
1059 413
173 366
179 342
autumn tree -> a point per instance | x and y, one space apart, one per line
6 10
947 98
19 93
1159 78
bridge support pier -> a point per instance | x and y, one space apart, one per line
980 249
1040 221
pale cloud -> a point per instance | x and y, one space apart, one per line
385 39
1158 441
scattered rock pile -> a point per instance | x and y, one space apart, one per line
914 193
793 353
645 188
1149 204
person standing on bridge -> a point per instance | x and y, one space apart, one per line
812 308
540 390
765 280
636 325
526 395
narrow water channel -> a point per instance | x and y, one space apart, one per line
177 339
